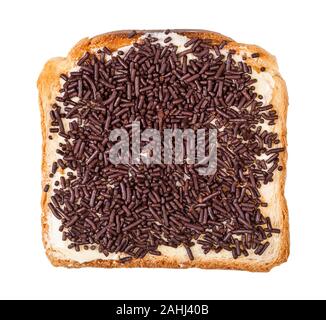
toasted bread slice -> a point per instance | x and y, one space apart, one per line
273 193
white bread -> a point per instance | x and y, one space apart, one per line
270 84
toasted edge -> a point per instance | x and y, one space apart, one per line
48 81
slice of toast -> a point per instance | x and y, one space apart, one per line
270 85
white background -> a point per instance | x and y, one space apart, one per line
33 31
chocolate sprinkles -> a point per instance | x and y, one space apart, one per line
134 209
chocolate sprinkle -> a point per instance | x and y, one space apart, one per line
131 34
135 209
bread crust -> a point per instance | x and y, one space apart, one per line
48 85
